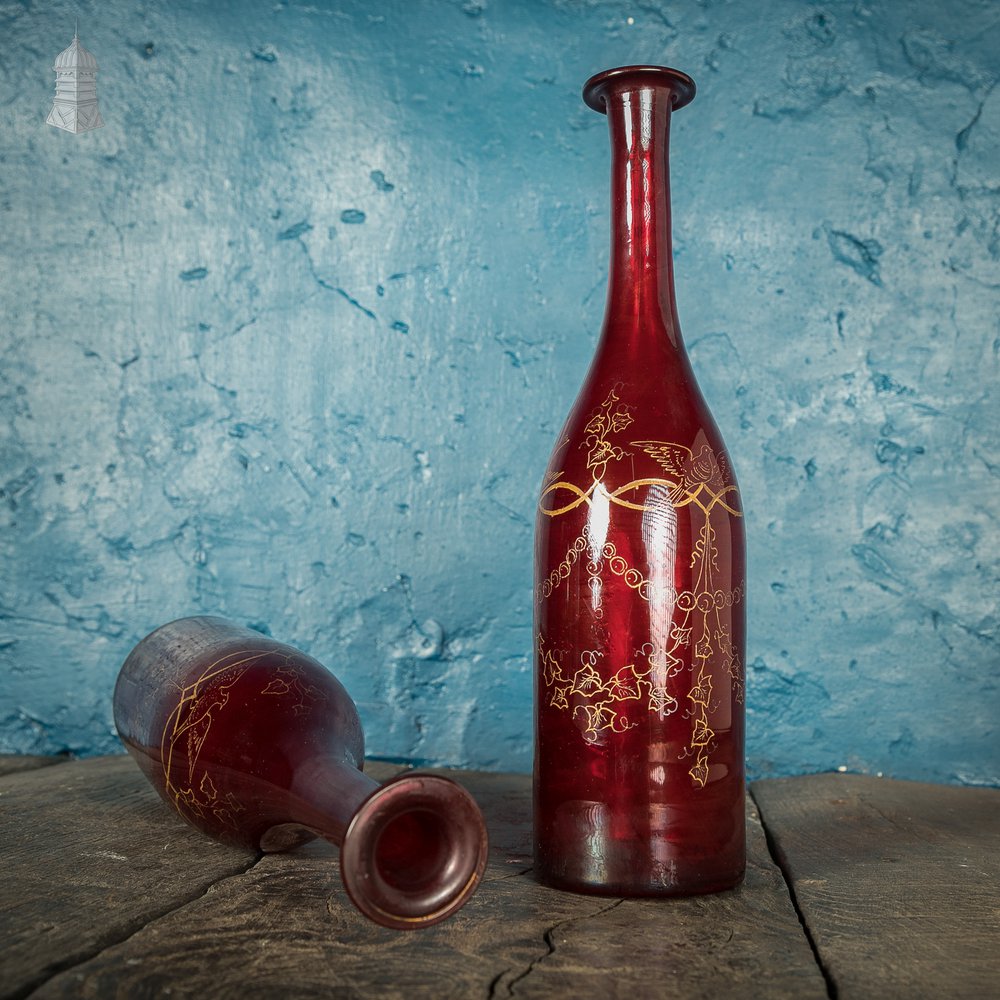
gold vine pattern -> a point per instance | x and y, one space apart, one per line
599 704
610 418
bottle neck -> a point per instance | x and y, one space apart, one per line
641 280
412 851
327 793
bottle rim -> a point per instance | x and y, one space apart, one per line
457 835
682 86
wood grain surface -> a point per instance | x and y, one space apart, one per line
898 882
107 893
184 917
91 855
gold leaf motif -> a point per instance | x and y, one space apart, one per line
701 693
560 697
551 669
207 787
620 421
624 686
699 773
602 452
702 735
190 801
607 420
188 726
277 686
660 701
682 636
600 718
587 681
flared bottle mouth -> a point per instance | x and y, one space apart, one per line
414 852
596 89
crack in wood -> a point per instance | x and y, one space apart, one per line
58 968
502 878
781 861
907 828
550 945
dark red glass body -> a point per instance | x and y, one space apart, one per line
639 572
258 745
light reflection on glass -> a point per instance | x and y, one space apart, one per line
659 536
598 520
645 119
629 167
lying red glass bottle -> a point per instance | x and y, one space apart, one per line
639 572
258 745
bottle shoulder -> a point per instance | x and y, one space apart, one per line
243 692
623 424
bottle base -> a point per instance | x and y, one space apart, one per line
671 881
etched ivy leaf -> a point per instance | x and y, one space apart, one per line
560 698
699 773
681 636
702 734
277 686
587 681
207 787
624 686
701 693
620 421
661 702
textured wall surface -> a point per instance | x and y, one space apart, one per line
290 339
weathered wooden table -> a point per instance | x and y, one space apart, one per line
856 887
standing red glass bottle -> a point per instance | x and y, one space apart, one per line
639 571
258 745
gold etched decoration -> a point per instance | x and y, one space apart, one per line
187 782
701 612
698 633
701 496
620 567
610 418
286 681
616 563
565 568
701 478
599 705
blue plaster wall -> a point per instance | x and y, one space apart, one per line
290 340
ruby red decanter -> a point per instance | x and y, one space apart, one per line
639 571
258 745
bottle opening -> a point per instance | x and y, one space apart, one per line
414 852
597 89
